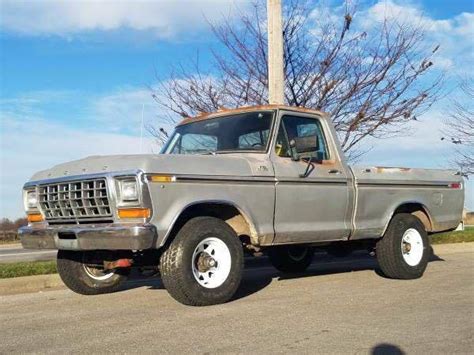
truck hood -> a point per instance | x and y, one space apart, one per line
220 164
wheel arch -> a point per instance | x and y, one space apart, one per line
415 208
227 211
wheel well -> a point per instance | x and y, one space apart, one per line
419 211
226 212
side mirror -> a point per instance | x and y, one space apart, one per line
306 144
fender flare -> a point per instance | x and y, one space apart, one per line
410 202
242 212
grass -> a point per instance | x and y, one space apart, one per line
465 236
27 269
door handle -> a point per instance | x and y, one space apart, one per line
334 171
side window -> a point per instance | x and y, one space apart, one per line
292 127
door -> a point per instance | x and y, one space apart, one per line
313 195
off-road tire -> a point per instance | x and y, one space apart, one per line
389 252
176 263
73 274
284 259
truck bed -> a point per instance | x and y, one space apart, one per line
381 190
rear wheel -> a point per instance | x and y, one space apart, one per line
83 273
204 263
404 251
291 258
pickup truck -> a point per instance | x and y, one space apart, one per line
269 180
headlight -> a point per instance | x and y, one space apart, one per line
31 200
128 190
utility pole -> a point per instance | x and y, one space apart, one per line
276 77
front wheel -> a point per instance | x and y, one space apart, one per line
404 250
204 263
83 273
291 258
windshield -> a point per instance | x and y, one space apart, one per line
241 132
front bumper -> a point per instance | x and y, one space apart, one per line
109 237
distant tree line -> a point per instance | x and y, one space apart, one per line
460 126
7 225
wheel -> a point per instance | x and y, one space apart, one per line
291 258
204 263
404 250
340 250
83 273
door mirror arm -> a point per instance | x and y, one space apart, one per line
309 168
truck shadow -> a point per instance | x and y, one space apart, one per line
259 273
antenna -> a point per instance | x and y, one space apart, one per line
141 130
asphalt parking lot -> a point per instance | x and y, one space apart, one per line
338 306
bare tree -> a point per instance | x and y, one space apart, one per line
460 127
369 81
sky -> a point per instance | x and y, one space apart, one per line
75 78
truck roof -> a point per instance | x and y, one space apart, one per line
224 112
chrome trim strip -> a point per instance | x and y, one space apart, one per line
415 184
253 179
66 178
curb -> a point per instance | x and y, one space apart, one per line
29 284
39 283
12 245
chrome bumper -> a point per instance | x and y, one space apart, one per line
109 237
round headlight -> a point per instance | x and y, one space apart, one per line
31 199
129 191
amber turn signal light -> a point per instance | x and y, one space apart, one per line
134 213
36 217
162 178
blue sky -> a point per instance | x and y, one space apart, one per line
75 76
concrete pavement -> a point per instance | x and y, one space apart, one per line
335 307
12 253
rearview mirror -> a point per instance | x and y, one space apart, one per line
306 144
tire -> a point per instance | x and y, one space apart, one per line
397 257
340 250
291 258
204 264
85 280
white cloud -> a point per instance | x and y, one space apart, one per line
162 17
419 146
122 110
31 140
454 35
32 144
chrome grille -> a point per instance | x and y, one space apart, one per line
79 201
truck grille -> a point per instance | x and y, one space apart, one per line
75 201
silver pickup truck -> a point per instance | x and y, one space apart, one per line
262 180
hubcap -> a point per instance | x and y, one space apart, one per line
211 262
94 269
412 247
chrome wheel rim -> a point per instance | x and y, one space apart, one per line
94 270
412 247
211 262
